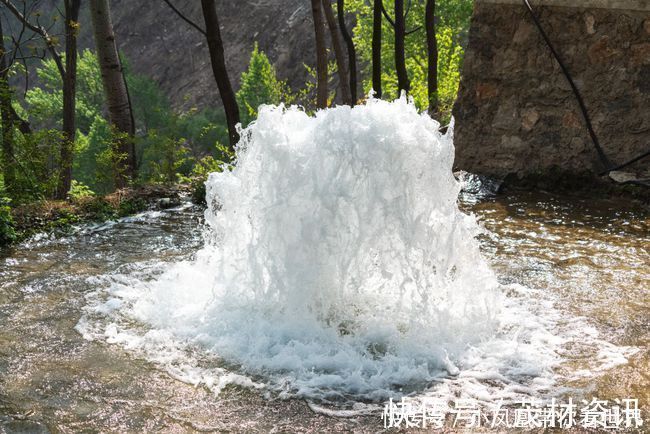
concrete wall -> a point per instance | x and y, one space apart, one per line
516 113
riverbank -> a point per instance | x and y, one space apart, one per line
59 216
582 185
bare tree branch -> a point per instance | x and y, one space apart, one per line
388 18
184 18
39 30
413 31
408 9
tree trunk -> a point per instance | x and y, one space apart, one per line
7 121
69 97
376 47
217 58
352 53
117 96
337 44
432 54
403 83
321 55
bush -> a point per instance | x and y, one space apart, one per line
7 231
259 85
202 169
79 190
131 206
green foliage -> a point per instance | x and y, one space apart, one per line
452 24
79 191
307 95
7 231
131 206
166 142
151 108
37 157
93 137
95 208
45 102
163 157
199 176
186 146
259 85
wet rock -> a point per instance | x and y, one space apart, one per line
168 202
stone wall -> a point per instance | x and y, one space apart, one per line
516 113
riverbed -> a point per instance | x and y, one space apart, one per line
584 264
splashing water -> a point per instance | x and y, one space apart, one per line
337 266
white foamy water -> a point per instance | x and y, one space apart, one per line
337 266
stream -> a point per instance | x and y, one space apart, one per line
589 259
334 269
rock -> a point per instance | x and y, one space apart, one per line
529 118
577 145
622 177
640 54
167 202
589 24
512 143
519 115
507 116
147 32
486 91
523 33
601 52
570 120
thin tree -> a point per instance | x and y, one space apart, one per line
321 54
352 54
432 56
7 120
403 83
68 74
376 46
115 88
337 45
399 27
69 96
217 58
212 34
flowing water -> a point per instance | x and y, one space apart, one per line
332 270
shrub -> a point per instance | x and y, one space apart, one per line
199 176
79 190
259 85
7 231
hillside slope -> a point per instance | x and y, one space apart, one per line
159 44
